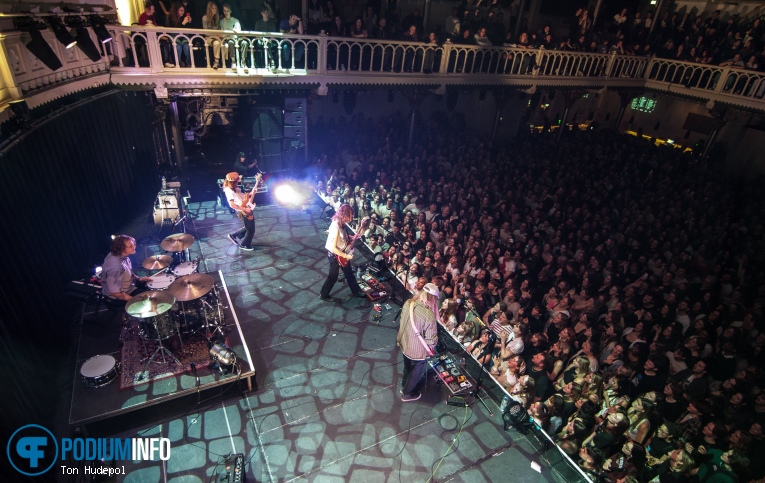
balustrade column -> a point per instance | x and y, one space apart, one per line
610 65
724 73
649 67
321 64
447 52
155 53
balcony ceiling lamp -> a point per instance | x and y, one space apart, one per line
61 33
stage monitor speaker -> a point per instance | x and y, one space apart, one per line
293 132
297 104
293 118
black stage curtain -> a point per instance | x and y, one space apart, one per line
65 186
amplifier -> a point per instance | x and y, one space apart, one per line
167 206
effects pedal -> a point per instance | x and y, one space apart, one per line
234 470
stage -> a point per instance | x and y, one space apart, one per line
326 406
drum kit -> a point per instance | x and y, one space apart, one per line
181 302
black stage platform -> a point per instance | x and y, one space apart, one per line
327 407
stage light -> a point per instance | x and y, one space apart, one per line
222 354
42 50
61 33
86 45
285 194
99 27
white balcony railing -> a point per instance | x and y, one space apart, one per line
253 56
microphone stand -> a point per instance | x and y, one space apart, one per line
478 383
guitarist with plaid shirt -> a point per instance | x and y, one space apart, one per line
339 251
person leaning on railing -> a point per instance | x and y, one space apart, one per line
292 25
211 21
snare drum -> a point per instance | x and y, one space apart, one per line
185 268
161 281
99 371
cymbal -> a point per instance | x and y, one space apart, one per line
191 287
149 304
157 261
177 242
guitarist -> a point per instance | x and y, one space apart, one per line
239 201
338 246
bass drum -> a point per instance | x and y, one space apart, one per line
99 371
204 311
160 327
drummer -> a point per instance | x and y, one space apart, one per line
117 278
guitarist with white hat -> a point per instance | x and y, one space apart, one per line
242 203
340 252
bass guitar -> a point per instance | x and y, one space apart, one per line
349 248
249 198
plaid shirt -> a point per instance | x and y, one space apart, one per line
423 323
688 427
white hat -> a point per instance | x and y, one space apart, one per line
431 289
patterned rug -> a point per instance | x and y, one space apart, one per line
134 356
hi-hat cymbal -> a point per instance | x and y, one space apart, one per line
157 261
191 287
177 242
149 304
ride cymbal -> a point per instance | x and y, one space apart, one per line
177 242
191 287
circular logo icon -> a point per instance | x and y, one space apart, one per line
32 450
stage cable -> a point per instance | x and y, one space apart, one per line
454 441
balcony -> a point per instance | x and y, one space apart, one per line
181 61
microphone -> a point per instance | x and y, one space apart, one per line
194 370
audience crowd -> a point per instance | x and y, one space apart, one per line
622 283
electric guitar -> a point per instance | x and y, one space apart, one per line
349 248
249 197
